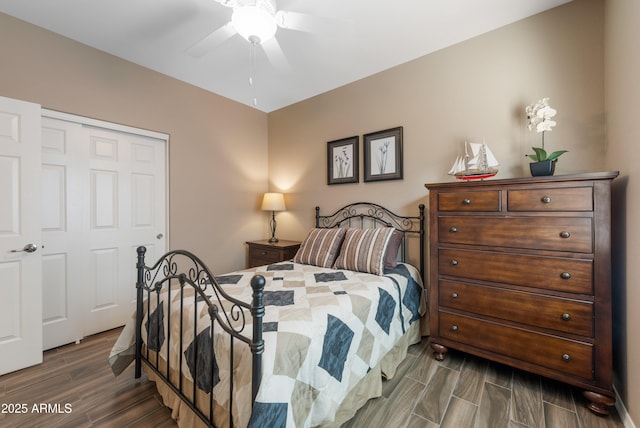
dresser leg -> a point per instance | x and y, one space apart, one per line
598 403
439 351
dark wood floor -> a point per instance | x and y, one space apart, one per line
77 388
79 375
468 392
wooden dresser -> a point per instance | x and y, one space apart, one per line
520 273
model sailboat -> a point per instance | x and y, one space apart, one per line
477 163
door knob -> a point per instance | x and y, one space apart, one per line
159 236
29 248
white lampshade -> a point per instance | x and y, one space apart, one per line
273 202
254 21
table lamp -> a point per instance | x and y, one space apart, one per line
273 202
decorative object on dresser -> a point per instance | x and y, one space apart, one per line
273 202
383 155
539 116
521 274
265 252
477 165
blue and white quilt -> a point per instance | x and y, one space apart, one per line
324 330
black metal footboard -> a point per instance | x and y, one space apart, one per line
182 274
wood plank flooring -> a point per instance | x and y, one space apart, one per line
468 392
80 376
462 391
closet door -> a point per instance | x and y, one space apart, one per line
20 238
127 207
105 194
65 222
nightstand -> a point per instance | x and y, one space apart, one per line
265 252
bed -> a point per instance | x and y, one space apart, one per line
304 342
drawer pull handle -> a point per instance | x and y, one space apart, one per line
466 201
566 317
453 229
454 262
264 253
454 328
565 234
546 200
454 295
566 357
565 275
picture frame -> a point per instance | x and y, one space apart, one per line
383 155
343 161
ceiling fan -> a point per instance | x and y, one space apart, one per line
257 21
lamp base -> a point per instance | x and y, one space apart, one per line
273 225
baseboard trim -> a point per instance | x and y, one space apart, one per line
622 411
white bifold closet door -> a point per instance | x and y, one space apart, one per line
103 195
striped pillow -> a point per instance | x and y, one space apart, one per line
363 250
391 255
320 247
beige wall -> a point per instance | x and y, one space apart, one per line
622 89
474 90
218 148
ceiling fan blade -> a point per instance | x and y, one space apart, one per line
303 22
275 55
227 3
210 41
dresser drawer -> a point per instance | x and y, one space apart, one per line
469 201
548 273
564 315
572 234
569 199
267 254
556 353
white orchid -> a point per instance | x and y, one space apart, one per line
539 116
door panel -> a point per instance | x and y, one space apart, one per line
54 272
10 195
142 200
104 200
54 209
20 219
104 281
9 304
64 219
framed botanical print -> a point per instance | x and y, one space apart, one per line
342 161
383 155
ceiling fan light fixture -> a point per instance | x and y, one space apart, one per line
255 21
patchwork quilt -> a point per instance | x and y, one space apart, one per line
324 330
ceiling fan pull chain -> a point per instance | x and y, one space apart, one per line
252 52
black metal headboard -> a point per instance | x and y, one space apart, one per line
368 214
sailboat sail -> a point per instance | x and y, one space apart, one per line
478 162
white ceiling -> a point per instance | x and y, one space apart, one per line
348 39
